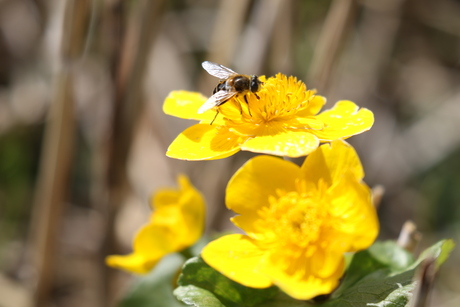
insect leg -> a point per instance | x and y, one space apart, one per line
245 99
217 113
257 96
239 104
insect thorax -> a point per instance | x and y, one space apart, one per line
241 83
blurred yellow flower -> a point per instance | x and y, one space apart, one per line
283 122
299 222
176 223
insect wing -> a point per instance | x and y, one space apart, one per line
218 70
215 100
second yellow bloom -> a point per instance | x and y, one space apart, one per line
299 222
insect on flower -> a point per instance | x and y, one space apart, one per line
231 84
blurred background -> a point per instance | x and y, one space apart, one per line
83 137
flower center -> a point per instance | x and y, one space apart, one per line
279 99
295 218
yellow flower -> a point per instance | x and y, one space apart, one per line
176 223
299 222
283 122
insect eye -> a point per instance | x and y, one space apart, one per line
254 84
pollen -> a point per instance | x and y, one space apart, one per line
295 218
281 117
279 99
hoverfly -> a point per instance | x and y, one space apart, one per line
231 84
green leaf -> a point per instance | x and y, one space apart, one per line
197 273
381 259
381 276
439 251
156 288
195 296
391 255
283 300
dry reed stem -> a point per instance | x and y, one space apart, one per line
409 237
281 55
331 40
377 194
228 24
56 156
55 165
257 36
137 32
424 277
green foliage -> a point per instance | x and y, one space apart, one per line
156 288
439 251
195 296
19 149
379 276
382 275
197 273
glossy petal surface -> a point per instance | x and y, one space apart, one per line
345 119
280 119
299 221
241 263
204 142
282 142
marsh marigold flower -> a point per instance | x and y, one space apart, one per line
299 222
176 223
283 122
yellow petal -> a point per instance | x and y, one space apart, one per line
300 282
305 123
155 241
204 142
193 212
345 119
236 257
185 104
354 217
314 106
164 203
151 243
183 210
282 142
330 161
325 263
177 223
254 183
164 198
135 263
